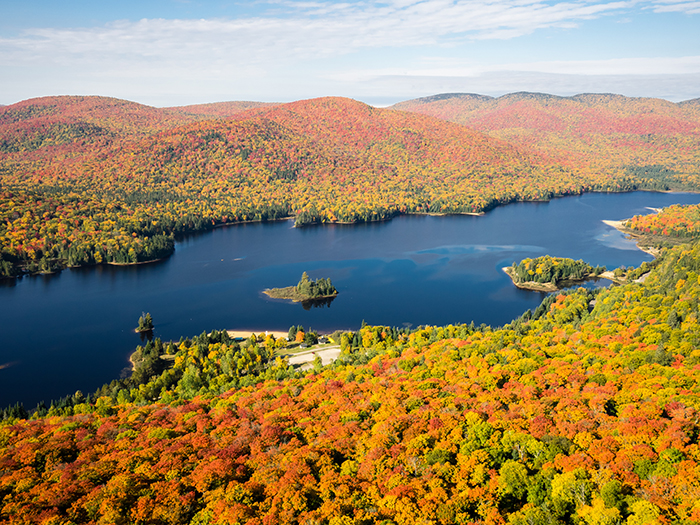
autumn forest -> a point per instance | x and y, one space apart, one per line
92 180
585 410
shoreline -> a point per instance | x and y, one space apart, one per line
648 250
270 291
632 234
234 334
254 221
399 214
610 276
127 264
530 285
614 224
448 213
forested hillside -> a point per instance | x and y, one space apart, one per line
674 221
220 109
584 411
647 138
90 180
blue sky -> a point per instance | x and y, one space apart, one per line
177 52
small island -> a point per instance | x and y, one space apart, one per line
305 291
145 323
548 274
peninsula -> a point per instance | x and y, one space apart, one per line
306 290
666 227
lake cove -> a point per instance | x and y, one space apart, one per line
75 330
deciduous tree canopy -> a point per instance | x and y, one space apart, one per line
92 180
585 411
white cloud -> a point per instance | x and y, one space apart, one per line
617 66
674 6
297 50
670 78
303 31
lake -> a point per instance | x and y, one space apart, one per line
74 330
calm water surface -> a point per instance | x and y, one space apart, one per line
74 330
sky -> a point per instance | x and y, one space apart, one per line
180 52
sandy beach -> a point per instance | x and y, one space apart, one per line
615 224
245 334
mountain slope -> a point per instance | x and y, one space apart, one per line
645 137
342 138
115 116
118 169
90 179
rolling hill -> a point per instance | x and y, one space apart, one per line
89 180
220 109
647 138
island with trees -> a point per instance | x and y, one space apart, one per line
145 323
306 290
548 274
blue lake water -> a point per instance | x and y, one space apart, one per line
74 330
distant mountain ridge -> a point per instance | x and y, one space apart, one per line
324 140
522 95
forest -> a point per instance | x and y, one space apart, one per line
648 139
673 221
583 411
94 180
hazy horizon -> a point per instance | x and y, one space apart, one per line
376 104
179 52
